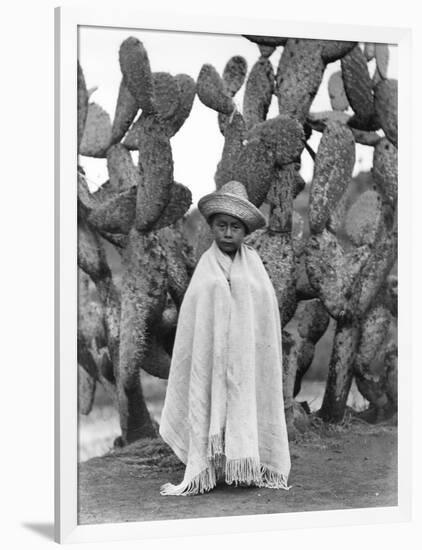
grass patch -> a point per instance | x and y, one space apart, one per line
147 456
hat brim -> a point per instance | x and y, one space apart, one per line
233 205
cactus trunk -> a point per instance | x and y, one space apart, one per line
135 420
340 372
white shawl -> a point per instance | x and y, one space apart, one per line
223 413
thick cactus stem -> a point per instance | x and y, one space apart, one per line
92 260
384 170
266 51
235 132
91 255
156 161
258 93
122 173
332 173
337 93
366 138
369 51
277 255
296 353
86 391
179 269
382 55
340 372
318 122
180 199
332 272
386 108
267 40
255 169
186 95
267 146
131 139
136 71
374 330
233 78
312 322
126 109
234 74
377 268
364 217
143 300
280 198
299 76
376 364
166 95
332 50
212 92
97 133
157 362
86 200
358 87
115 215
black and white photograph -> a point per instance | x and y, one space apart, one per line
237 228
211 262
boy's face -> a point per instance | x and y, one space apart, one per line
228 232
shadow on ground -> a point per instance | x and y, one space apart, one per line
46 530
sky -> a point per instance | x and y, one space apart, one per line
198 145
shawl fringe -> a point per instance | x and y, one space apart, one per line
201 483
238 471
247 471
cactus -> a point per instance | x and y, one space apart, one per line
322 268
339 271
132 211
382 56
97 133
234 74
369 224
299 76
369 51
259 92
386 108
363 218
212 91
384 169
332 172
137 75
311 319
358 87
337 93
126 110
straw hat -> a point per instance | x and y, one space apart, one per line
232 199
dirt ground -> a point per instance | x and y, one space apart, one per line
349 466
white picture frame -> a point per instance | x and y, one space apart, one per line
67 21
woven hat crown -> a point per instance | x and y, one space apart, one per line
232 199
235 188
